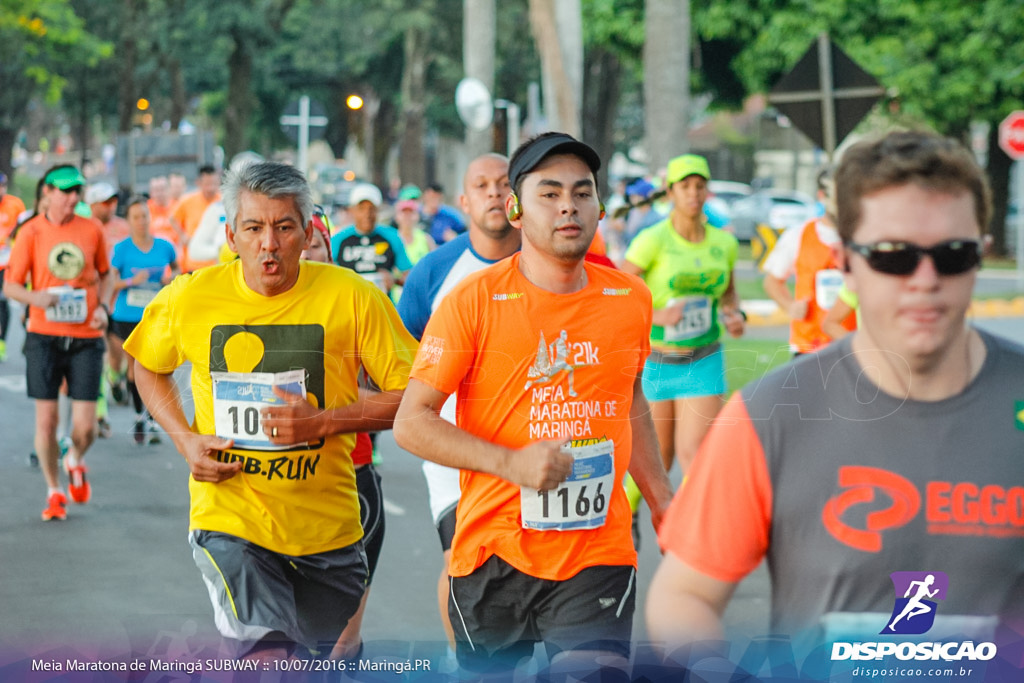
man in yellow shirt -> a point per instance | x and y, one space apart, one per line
276 346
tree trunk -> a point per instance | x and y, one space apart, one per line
236 114
479 37
379 143
412 160
558 33
179 98
603 86
999 177
666 79
127 58
7 137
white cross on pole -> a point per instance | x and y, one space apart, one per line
303 121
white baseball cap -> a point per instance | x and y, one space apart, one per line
365 192
99 192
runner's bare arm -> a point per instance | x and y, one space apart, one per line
685 605
160 394
420 429
645 464
778 290
299 420
663 317
18 292
734 321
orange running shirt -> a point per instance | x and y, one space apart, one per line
74 254
10 208
115 230
740 503
529 365
188 213
160 223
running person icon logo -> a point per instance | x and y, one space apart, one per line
914 612
555 358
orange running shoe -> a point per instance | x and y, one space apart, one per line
78 487
56 507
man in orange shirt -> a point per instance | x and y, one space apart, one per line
10 208
189 212
102 200
544 352
161 209
809 254
65 259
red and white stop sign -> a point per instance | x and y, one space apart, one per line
1011 135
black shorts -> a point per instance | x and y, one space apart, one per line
259 594
446 527
371 514
499 613
49 360
121 330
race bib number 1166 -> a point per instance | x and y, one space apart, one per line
581 502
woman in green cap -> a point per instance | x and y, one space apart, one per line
688 265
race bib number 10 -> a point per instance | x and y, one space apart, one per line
239 398
581 502
71 306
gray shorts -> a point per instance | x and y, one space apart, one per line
259 594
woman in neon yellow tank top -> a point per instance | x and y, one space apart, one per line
688 265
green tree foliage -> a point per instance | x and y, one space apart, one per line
40 41
950 63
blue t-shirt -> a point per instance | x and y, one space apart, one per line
128 259
445 218
381 249
434 276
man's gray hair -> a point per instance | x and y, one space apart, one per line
270 179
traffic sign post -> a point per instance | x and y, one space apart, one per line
826 94
299 115
1011 140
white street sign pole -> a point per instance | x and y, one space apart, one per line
303 121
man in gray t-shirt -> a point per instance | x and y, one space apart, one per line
881 477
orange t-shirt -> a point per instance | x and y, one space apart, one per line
115 230
529 365
160 223
188 213
740 504
74 254
10 208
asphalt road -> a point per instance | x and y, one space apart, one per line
117 577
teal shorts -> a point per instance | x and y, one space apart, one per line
667 378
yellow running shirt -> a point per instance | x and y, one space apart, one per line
332 322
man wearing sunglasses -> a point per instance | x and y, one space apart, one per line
896 448
65 260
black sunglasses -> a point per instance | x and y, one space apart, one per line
952 257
